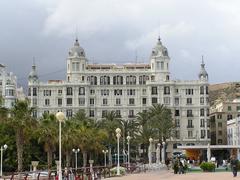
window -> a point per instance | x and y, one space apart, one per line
219 133
131 92
91 113
206 89
190 125
69 91
104 113
69 101
69 113
189 101
238 108
166 90
105 101
47 102
81 91
190 134
91 101
189 113
177 112
202 90
177 134
201 112
166 100
59 101
29 92
105 92
189 91
130 80
229 108
144 92
117 80
92 91
144 101
219 124
202 122
118 113
154 90
34 102
154 100
203 133
143 79
46 92
34 91
59 91
219 116
117 92
176 101
104 80
131 113
229 116
162 65
81 101
34 113
176 91
202 100
92 80
131 101
177 123
118 101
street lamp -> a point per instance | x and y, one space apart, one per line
118 134
105 157
150 150
76 151
128 140
60 117
4 147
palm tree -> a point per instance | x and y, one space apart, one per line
48 134
22 122
110 122
161 120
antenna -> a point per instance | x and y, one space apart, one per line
136 57
34 61
202 60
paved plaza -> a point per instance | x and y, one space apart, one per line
163 174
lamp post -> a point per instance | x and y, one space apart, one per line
60 117
150 151
128 140
4 147
163 152
118 134
76 151
105 157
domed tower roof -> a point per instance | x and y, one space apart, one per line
77 50
203 73
159 49
33 74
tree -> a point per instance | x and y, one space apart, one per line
161 121
21 121
48 134
110 122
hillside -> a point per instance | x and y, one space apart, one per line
224 91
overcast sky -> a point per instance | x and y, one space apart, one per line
115 31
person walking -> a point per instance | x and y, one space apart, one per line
234 165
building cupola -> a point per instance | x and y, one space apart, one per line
203 75
159 50
76 50
33 77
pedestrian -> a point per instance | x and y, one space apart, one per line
234 165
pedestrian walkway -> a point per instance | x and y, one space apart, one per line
168 175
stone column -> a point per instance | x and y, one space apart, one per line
208 153
57 163
163 152
34 164
158 154
91 168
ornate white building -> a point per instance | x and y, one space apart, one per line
8 87
126 89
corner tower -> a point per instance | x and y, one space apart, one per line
76 63
203 75
160 62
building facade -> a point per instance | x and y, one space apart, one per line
127 89
220 114
8 87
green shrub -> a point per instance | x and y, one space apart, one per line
113 171
207 166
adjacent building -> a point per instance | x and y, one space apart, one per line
220 114
8 87
126 89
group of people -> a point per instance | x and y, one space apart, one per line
179 165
